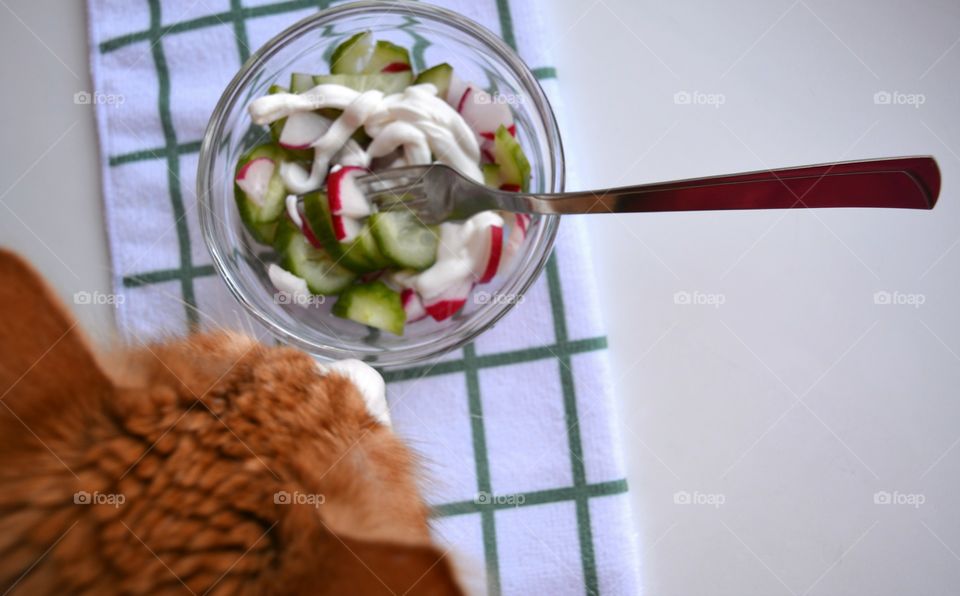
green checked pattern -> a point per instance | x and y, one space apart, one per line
169 155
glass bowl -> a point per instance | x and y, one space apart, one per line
434 35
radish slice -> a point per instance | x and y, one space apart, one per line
484 114
518 234
496 251
396 67
510 187
522 221
484 244
512 129
290 285
412 305
302 129
346 199
295 213
487 153
254 178
345 228
456 90
449 302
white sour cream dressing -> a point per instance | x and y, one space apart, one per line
415 120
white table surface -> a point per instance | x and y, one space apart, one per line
791 404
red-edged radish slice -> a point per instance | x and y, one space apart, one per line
254 178
412 305
396 67
346 228
449 302
301 129
484 113
295 213
464 99
496 252
487 154
345 196
518 232
290 285
512 129
484 244
308 231
456 90
522 221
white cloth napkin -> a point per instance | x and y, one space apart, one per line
517 432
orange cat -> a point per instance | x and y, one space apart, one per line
209 465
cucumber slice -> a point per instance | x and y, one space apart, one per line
298 256
352 55
388 82
368 245
300 82
276 127
388 57
260 212
404 239
438 76
360 255
491 175
372 304
360 55
514 167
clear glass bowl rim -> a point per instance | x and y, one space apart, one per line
521 280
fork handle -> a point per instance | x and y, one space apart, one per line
901 182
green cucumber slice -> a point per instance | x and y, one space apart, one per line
354 255
298 256
367 243
514 167
261 218
352 55
388 82
300 82
276 127
491 175
404 239
388 57
372 304
438 76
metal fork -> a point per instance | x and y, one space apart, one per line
437 193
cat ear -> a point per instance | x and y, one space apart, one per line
43 354
353 565
386 568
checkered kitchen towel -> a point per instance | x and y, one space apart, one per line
517 429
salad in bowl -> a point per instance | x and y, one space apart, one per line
297 191
314 117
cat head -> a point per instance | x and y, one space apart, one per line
212 463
